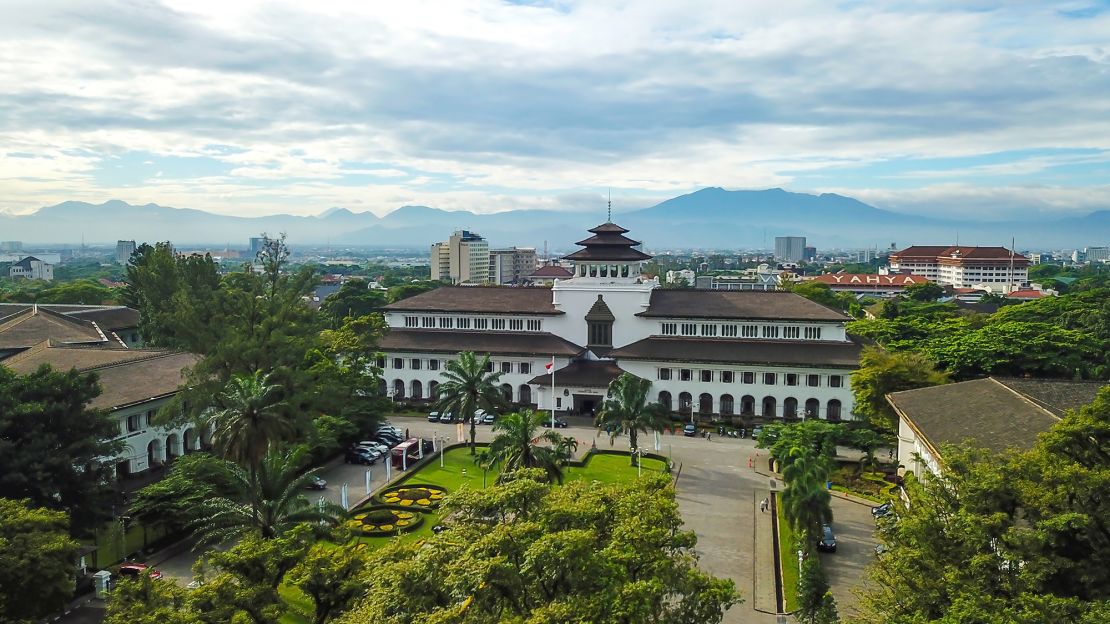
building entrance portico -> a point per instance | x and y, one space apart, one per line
587 404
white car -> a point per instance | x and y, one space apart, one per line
377 446
487 418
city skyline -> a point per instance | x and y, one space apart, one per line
257 108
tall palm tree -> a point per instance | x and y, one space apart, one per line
270 504
516 445
468 386
626 407
806 501
251 419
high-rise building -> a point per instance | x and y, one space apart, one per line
256 246
810 253
1098 254
124 249
11 246
512 265
461 259
790 248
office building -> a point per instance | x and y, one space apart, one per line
11 246
256 246
124 249
995 268
790 248
461 259
512 265
1098 254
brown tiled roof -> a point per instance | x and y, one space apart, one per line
552 270
732 351
989 413
608 228
737 304
31 326
127 376
934 252
600 311
603 254
480 300
857 280
480 342
920 251
110 318
583 374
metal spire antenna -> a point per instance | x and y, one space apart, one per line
610 219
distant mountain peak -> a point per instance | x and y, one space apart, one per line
336 211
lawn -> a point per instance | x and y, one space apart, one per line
788 555
606 468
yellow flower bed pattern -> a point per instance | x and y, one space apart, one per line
423 496
382 521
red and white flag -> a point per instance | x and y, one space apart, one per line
550 366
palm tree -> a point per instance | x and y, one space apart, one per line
468 386
806 501
251 419
516 445
626 407
270 503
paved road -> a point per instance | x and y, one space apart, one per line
855 548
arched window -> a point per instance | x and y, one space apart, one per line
525 394
685 402
726 404
705 403
770 406
417 389
747 405
833 410
398 389
507 390
813 408
665 400
790 408
382 386
173 446
155 452
433 388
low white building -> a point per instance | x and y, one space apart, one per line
707 353
31 267
993 413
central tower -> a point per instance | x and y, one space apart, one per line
608 257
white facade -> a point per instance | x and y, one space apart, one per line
511 266
32 268
604 308
148 445
790 248
913 452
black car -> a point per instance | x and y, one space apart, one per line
359 456
388 439
690 430
827 543
428 446
559 424
882 511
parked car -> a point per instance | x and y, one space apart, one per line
360 456
428 446
690 430
134 570
446 417
827 543
487 418
389 439
316 483
371 450
882 511
433 416
371 444
756 430
559 423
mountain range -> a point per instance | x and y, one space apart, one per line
705 219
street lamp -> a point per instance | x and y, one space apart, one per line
639 455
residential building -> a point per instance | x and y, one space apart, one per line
512 265
993 414
867 284
790 248
124 249
995 268
809 254
461 259
708 354
685 275
23 325
1098 254
31 267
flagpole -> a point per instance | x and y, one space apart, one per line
553 393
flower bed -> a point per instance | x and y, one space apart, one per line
417 496
381 520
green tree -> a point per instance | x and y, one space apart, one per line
469 385
806 501
353 299
269 502
148 601
53 446
821 293
626 407
515 445
176 499
411 289
82 291
815 602
882 372
925 291
332 578
36 561
524 551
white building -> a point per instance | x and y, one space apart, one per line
1098 254
31 267
710 353
685 275
993 414
790 248
996 268
461 259
511 266
124 249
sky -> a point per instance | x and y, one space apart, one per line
995 110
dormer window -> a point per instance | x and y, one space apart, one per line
599 324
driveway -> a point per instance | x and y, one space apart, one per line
855 548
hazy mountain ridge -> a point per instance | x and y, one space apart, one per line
711 218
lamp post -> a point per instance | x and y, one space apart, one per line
639 455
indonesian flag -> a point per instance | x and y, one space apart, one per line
550 366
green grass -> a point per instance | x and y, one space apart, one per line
300 605
788 555
606 468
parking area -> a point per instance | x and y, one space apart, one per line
855 536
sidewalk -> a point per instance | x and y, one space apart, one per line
764 592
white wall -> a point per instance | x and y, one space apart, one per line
909 446
168 440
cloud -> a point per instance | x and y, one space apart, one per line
489 105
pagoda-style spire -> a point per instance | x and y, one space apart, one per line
607 244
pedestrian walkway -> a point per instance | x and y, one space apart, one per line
764 594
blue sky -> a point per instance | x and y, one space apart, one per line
252 107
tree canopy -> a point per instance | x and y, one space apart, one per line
37 559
